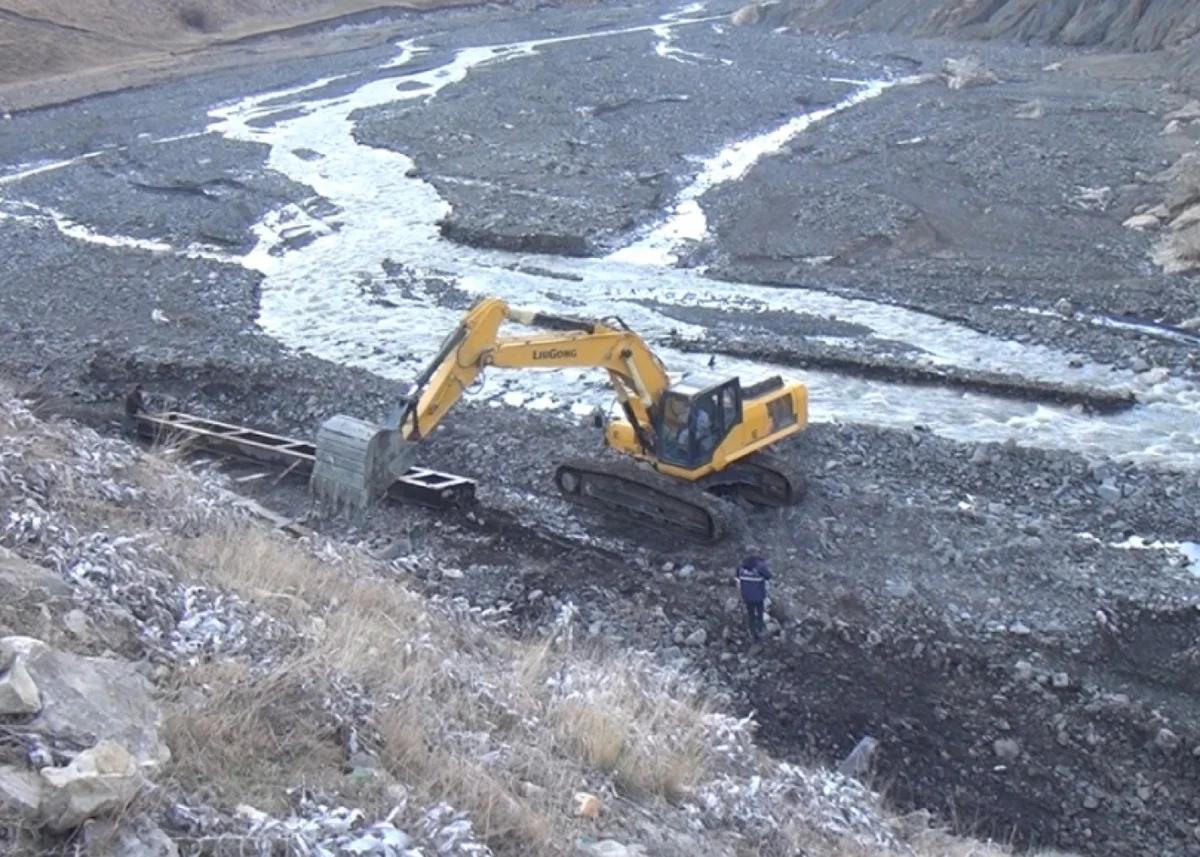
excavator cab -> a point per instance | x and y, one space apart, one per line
694 417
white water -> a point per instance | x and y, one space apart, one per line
1186 552
313 300
311 296
666 48
1191 551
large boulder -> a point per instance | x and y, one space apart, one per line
29 595
85 700
967 73
101 781
18 693
748 15
20 792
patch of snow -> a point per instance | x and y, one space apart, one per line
1187 552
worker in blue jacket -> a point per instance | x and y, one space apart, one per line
752 577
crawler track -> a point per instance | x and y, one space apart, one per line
763 479
645 498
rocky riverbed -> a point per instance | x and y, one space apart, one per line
991 573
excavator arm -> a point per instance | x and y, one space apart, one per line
638 376
356 462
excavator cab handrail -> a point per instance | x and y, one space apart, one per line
615 321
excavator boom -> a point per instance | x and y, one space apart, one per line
702 437
357 461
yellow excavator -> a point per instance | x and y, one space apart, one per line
687 446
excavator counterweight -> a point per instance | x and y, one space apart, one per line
682 447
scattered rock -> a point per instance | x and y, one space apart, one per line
86 699
101 781
697 638
1062 306
1172 127
1109 493
748 15
1166 740
20 792
1030 110
967 73
605 848
140 838
1141 222
18 693
1006 749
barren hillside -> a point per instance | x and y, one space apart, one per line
53 50
1158 25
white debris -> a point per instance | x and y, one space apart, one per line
830 803
321 830
129 577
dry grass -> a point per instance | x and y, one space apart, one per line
468 717
240 735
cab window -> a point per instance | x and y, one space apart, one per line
690 430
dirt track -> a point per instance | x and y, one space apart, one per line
937 589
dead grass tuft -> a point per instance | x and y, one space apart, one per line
462 715
244 734
653 746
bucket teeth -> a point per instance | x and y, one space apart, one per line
356 462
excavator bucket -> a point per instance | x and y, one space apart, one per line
356 462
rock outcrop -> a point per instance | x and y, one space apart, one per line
78 701
1124 27
1083 23
101 781
748 15
20 792
18 694
95 713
